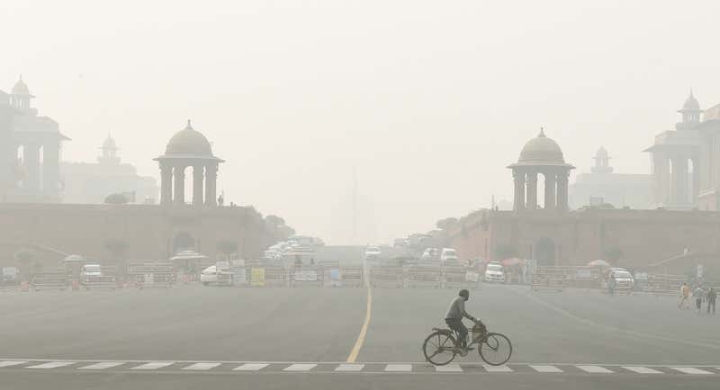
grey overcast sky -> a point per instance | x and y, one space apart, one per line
428 100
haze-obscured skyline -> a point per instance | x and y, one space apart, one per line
429 101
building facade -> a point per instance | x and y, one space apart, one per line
603 187
685 160
151 232
91 183
558 236
30 155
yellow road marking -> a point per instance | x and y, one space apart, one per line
363 331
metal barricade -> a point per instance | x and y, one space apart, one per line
272 277
386 277
423 276
661 284
548 279
307 277
50 279
460 277
351 276
152 275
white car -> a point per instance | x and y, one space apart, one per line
211 275
372 252
623 278
494 273
429 254
448 255
90 273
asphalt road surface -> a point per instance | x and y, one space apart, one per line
188 337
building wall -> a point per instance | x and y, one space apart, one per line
90 183
643 236
149 230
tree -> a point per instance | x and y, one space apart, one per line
116 199
446 223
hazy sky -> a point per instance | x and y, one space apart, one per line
428 100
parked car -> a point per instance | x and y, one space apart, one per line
495 273
372 253
430 254
9 276
215 275
623 278
448 255
90 273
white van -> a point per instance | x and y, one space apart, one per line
448 255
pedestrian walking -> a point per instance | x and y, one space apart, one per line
711 296
698 295
684 295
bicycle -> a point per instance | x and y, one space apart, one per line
440 347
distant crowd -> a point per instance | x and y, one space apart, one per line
700 295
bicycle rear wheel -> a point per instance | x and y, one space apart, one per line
496 349
439 348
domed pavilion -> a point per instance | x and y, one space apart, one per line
541 156
188 148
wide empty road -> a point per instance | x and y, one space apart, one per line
191 336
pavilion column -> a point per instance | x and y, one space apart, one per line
532 180
519 177
696 183
550 191
179 172
211 184
166 174
198 185
51 168
679 180
562 191
31 157
661 167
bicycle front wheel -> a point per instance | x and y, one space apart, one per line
439 348
496 349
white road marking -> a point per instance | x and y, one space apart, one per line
595 369
10 363
546 369
251 367
642 370
102 365
50 365
502 368
300 367
349 367
449 368
201 366
398 368
692 370
153 365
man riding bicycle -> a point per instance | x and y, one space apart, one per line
455 315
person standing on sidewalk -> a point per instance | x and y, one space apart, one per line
698 295
711 296
684 294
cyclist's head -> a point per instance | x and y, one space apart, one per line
465 294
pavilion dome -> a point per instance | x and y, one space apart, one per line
189 142
541 150
691 104
21 88
109 143
602 153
